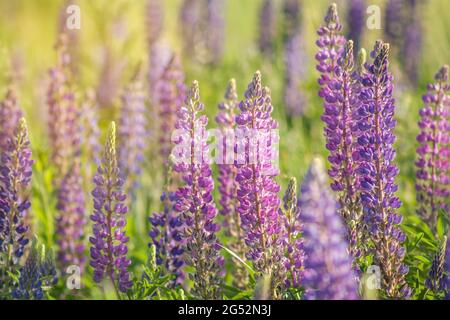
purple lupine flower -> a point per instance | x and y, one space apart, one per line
433 165
331 45
340 103
15 178
436 277
89 128
328 266
64 130
109 81
37 274
71 219
215 29
109 241
10 113
257 193
295 255
412 43
133 133
160 55
154 20
291 15
447 268
356 21
227 181
394 21
167 236
171 94
374 155
191 27
295 62
194 201
267 28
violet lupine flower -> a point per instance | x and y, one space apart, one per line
447 268
436 276
257 193
340 102
295 62
167 236
227 181
267 28
10 113
15 178
394 22
412 43
63 115
356 17
295 255
291 15
160 55
331 45
89 128
215 29
154 20
194 201
133 133
328 266
71 220
374 155
433 165
191 27
109 241
171 94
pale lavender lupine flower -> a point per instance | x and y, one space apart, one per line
71 219
295 70
109 242
64 130
215 30
154 20
376 170
433 164
194 200
10 113
227 180
133 133
15 178
171 94
328 266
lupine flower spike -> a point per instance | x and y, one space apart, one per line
63 114
267 28
293 241
15 178
10 113
436 276
109 241
132 133
328 267
340 101
257 193
154 20
433 165
71 220
356 17
194 200
331 44
227 180
376 172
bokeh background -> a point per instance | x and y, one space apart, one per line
113 38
